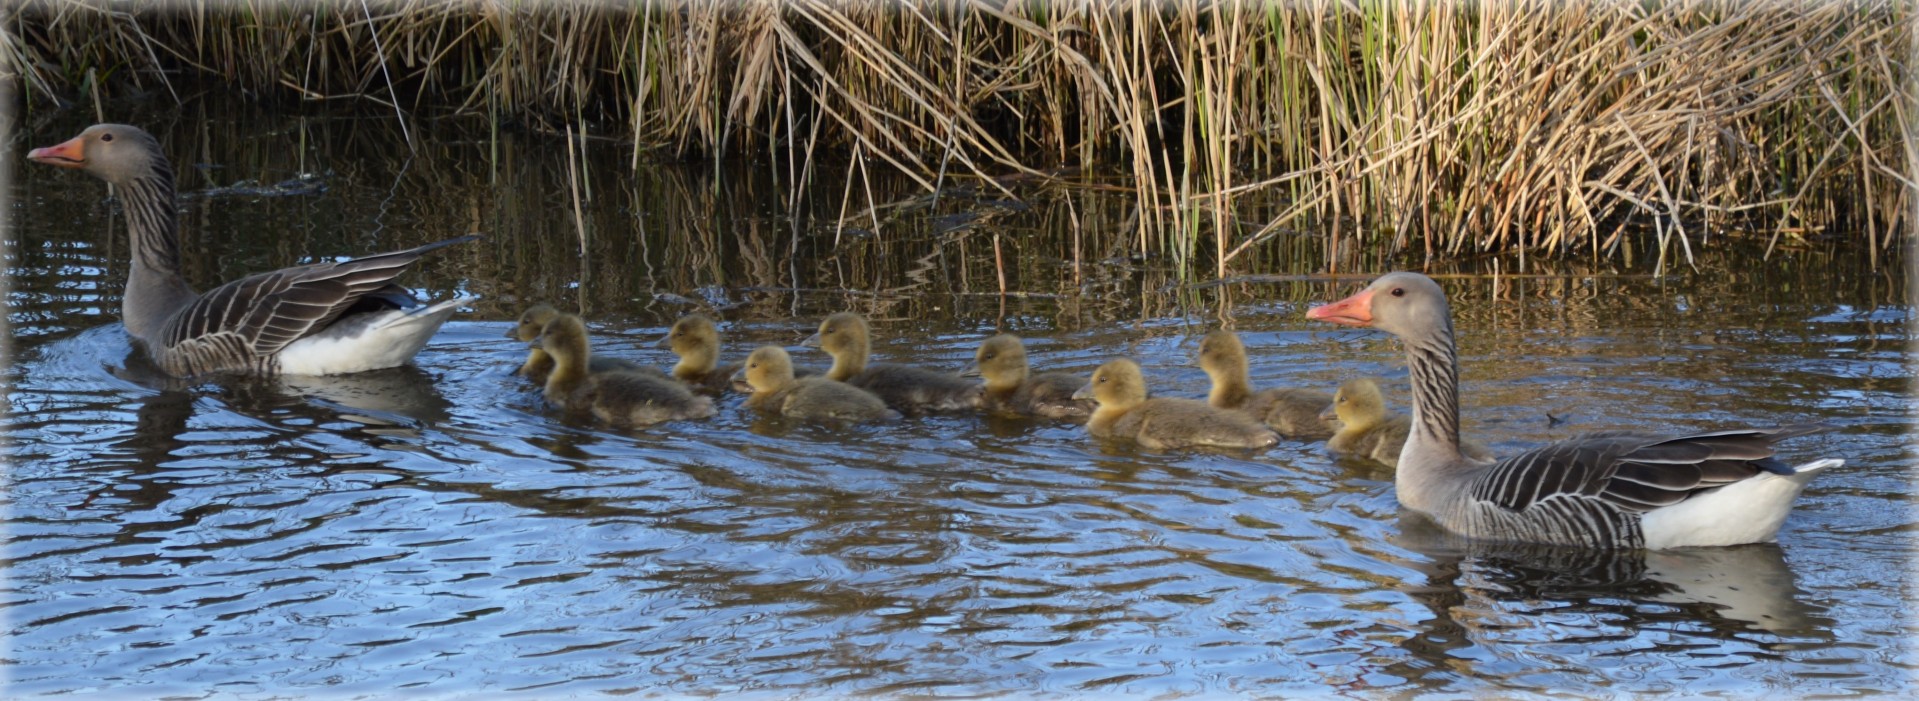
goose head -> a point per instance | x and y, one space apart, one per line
1404 304
112 152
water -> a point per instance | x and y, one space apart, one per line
433 530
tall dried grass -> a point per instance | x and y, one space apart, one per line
1608 129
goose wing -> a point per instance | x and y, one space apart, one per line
270 310
1632 472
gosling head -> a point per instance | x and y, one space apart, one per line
564 338
840 334
532 322
767 369
1117 384
1001 361
1357 404
1221 354
692 334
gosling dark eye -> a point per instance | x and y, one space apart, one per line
1399 292
106 137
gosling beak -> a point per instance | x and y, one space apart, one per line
1328 414
666 342
513 331
71 153
1356 310
1085 391
812 341
970 371
739 382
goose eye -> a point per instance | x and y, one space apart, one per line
1399 292
106 137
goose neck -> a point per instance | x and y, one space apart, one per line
1433 362
151 223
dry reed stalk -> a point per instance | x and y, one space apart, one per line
1431 128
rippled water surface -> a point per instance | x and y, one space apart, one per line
433 529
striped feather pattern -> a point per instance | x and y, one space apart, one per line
236 325
1592 490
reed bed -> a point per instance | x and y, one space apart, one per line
1610 130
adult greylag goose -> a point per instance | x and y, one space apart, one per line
1294 413
318 319
697 341
1367 431
1012 388
1163 423
618 398
538 364
769 371
1617 489
909 389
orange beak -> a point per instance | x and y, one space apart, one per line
1356 310
71 153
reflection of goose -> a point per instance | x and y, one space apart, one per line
1012 388
318 319
1617 489
845 337
1125 412
1749 587
401 396
1294 413
404 395
538 364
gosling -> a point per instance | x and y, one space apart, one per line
1163 423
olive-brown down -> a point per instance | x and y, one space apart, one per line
618 398
1369 432
845 336
1011 387
1164 423
696 339
538 364
769 372
1294 413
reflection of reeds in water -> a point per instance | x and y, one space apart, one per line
1438 129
